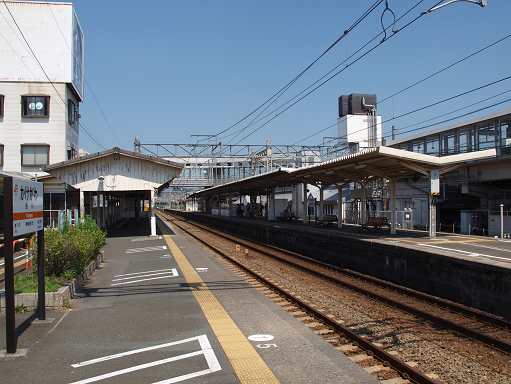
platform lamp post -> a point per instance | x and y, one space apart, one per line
482 3
501 221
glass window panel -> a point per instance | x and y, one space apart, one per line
505 134
448 143
41 155
28 156
486 136
432 145
471 140
462 142
418 146
35 105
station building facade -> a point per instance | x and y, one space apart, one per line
41 88
473 195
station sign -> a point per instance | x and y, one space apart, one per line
435 182
27 206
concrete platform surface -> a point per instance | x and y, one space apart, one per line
163 310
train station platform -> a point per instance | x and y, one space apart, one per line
470 270
161 309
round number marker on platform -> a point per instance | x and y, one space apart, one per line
261 337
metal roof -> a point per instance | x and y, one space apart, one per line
381 162
108 152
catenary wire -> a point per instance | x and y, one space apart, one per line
348 65
86 82
37 61
420 81
422 108
40 66
288 85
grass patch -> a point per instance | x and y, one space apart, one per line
68 304
20 309
28 283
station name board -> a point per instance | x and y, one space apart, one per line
27 206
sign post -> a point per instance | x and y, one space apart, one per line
23 208
434 178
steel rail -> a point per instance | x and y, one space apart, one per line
406 372
483 317
490 341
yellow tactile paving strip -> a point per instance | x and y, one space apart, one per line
246 362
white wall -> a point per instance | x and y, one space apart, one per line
354 129
16 130
49 30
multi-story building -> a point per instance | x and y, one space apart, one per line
41 84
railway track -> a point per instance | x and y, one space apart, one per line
468 324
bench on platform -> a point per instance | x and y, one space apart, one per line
286 216
377 224
327 220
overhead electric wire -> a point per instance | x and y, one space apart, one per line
288 85
448 99
40 66
459 116
420 81
448 113
86 82
285 88
421 108
348 65
443 69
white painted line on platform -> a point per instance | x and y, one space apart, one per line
487 246
205 350
172 273
147 239
147 249
141 273
201 269
467 253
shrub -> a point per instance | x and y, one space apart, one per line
69 252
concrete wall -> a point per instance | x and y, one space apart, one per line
477 285
52 130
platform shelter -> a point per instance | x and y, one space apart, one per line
382 162
114 184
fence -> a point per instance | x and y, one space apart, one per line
404 219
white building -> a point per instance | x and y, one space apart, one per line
41 84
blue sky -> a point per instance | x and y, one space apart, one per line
167 70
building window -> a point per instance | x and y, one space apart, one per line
432 145
405 146
1 155
35 155
486 136
36 106
1 105
448 143
505 134
71 111
466 141
418 146
71 153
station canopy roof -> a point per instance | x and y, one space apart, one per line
116 170
380 162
